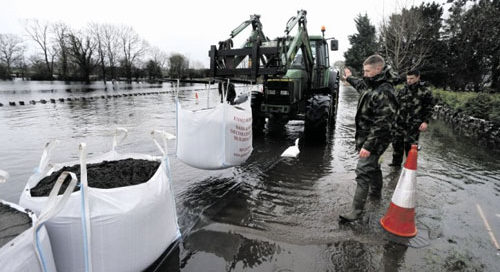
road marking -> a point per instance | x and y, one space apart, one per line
492 235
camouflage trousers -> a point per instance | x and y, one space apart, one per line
368 177
401 144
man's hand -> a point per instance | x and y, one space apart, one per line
423 127
347 73
363 153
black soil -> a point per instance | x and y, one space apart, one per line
12 223
104 175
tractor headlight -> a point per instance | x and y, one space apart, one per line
284 93
273 92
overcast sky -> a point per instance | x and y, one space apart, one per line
190 27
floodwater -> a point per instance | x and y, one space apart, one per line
272 213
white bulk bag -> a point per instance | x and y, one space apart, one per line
125 228
31 251
215 138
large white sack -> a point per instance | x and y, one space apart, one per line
215 138
20 253
128 227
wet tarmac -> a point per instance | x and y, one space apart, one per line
280 214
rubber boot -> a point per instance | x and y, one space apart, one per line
395 164
397 160
358 205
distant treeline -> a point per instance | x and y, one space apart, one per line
461 52
98 52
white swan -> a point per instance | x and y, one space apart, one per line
292 151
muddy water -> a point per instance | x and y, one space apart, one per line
274 214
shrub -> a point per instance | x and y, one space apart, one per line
495 110
3 72
480 105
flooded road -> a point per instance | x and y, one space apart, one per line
273 214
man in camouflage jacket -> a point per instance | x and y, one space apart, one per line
377 106
415 109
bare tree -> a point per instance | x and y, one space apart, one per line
157 62
11 50
61 31
110 36
395 40
133 47
98 34
159 56
399 36
403 39
82 47
39 32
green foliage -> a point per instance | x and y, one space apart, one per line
494 114
178 65
3 72
432 66
472 38
463 53
363 43
38 70
153 70
480 105
409 37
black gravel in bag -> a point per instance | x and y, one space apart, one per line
12 223
104 175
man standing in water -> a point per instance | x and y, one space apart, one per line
375 116
415 109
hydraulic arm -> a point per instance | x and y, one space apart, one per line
256 38
294 69
266 58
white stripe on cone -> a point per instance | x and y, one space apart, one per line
405 194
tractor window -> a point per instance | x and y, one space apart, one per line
313 49
322 58
298 61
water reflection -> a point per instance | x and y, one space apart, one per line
235 249
353 256
393 256
272 213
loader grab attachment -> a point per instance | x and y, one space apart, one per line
261 60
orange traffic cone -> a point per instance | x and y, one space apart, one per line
400 217
196 96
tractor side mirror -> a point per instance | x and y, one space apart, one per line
334 45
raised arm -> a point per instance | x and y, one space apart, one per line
357 83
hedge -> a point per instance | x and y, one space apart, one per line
480 105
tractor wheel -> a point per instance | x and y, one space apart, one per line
258 120
318 116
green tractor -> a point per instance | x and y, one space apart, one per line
298 82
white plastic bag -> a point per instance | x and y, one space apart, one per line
215 138
125 228
31 250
